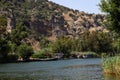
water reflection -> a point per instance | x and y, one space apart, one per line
76 69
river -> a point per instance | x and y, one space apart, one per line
73 69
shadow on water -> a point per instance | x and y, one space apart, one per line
75 69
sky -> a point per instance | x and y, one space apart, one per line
89 6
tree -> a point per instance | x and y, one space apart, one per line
19 33
3 24
44 42
25 51
4 45
4 48
112 8
98 42
43 53
63 45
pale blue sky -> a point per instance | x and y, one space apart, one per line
89 6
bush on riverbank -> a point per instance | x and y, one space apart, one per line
12 58
111 65
25 51
43 53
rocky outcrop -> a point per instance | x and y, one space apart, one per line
68 22
11 22
78 22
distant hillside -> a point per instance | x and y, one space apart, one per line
48 18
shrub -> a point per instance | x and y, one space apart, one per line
111 65
63 45
44 42
25 51
4 47
3 21
43 53
12 57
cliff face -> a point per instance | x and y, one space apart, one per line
78 22
50 19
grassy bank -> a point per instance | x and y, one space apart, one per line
111 65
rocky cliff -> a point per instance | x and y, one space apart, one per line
50 19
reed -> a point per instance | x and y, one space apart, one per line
111 65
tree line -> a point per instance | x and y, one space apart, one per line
15 45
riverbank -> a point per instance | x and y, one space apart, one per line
111 65
38 59
45 59
58 56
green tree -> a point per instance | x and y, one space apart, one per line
63 45
112 8
116 45
98 42
25 51
19 33
3 21
3 24
43 53
4 49
4 42
44 43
